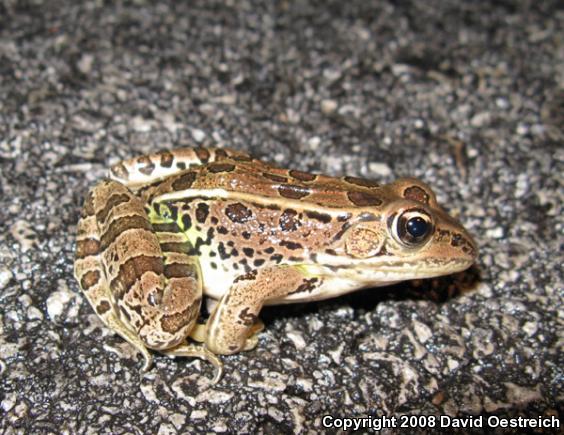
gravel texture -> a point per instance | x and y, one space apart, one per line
468 96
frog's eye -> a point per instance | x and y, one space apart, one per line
412 228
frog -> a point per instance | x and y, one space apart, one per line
164 230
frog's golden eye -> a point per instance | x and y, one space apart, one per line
412 228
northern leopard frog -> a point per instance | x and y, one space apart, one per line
165 229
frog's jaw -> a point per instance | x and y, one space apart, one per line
385 272
343 279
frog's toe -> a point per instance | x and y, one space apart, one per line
197 351
253 339
148 361
251 343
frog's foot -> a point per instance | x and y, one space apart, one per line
253 338
197 351
116 325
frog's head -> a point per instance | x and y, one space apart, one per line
409 236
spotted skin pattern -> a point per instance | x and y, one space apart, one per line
168 228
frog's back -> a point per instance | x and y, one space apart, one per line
255 178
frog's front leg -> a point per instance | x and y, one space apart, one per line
234 321
135 274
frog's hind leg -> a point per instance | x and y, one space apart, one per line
147 169
150 297
89 272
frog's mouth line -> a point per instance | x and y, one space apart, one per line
375 274
402 266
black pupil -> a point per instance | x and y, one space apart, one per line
417 227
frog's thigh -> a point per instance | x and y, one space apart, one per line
235 317
141 291
90 274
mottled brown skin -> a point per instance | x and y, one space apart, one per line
174 225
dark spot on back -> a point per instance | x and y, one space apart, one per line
361 182
302 176
293 192
146 166
215 168
184 181
363 199
219 154
203 154
166 159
